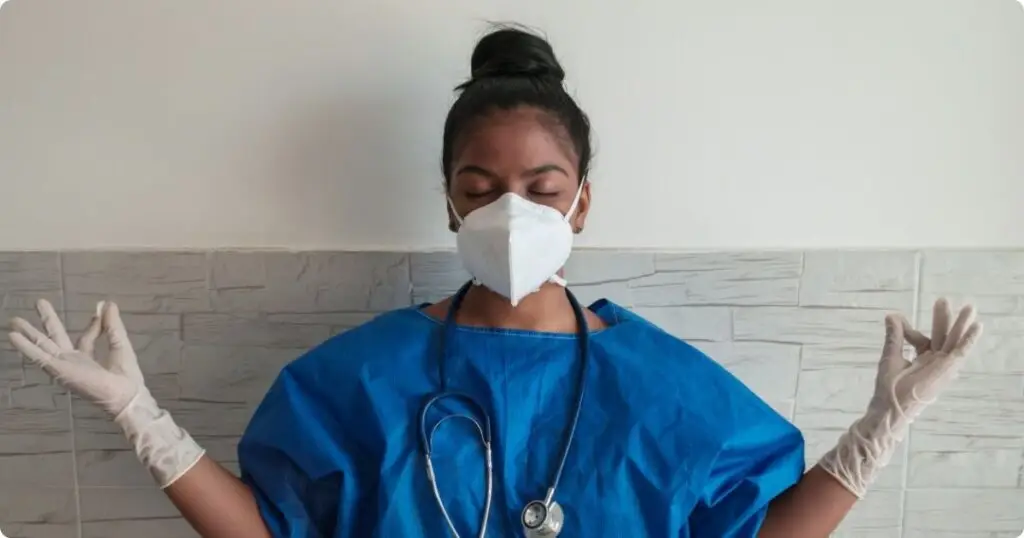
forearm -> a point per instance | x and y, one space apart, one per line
212 500
813 508
216 503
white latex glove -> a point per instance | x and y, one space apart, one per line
115 385
903 389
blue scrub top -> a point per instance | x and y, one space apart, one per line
669 444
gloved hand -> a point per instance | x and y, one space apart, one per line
902 391
115 384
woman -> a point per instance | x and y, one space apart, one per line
611 425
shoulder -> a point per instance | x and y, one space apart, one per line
334 374
642 344
316 408
382 342
678 375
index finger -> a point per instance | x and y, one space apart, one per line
920 342
113 325
87 342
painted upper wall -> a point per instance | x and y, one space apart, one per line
316 123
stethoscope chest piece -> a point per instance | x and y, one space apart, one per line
542 520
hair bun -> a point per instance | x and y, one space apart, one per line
513 52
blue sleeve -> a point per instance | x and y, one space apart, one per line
763 457
297 494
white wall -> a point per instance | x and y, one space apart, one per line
316 123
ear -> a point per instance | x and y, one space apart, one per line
453 223
579 220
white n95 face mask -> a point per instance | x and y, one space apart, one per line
514 246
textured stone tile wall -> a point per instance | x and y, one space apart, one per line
802 329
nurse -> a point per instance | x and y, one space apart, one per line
509 409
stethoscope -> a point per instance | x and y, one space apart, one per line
540 519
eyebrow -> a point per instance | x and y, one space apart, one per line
545 169
473 169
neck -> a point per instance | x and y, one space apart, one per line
546 310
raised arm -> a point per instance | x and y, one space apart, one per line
215 503
818 503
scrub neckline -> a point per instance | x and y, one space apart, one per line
602 308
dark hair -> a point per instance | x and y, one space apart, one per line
512 67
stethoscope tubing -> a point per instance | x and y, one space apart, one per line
482 421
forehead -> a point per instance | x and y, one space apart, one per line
523 137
